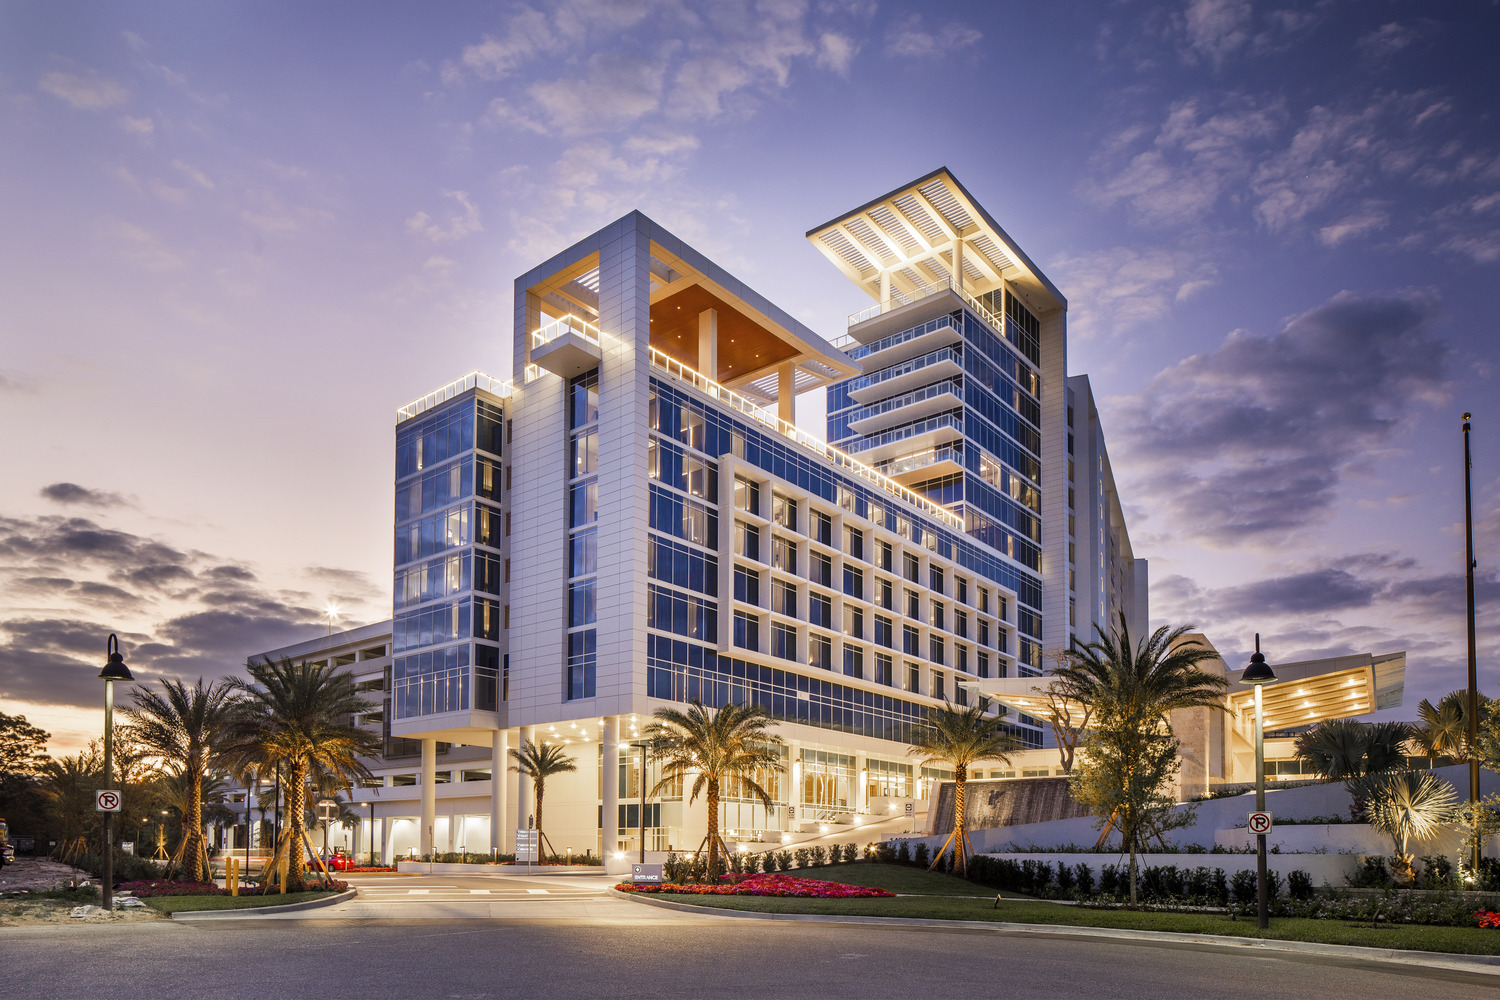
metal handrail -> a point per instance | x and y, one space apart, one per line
568 324
473 380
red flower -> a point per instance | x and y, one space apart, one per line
765 885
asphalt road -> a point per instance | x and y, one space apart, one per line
573 941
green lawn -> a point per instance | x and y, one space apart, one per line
940 897
176 904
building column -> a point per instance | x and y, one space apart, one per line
527 734
860 800
429 795
786 398
609 841
708 343
794 794
499 760
958 265
885 290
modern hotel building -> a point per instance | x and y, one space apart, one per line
634 520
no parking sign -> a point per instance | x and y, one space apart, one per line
107 801
1260 822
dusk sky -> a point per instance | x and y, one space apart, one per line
235 237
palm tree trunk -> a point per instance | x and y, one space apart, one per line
960 778
296 823
713 830
541 788
192 823
1132 871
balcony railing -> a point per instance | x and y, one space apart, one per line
946 387
568 324
473 380
900 298
895 339
839 459
905 368
937 423
920 460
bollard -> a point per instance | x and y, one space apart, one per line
232 875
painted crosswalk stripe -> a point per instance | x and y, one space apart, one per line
417 892
479 892
538 892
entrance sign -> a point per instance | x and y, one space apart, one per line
911 808
645 873
107 801
526 844
1260 822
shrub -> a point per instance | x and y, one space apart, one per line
784 860
736 863
885 853
921 856
157 887
1109 881
1273 884
1084 876
903 853
1064 881
1299 884
1198 883
819 855
753 863
699 870
851 852
1371 874
1242 886
1221 887
1437 873
803 857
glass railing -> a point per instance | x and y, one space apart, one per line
568 324
895 339
944 387
839 459
945 420
900 298
473 380
905 368
920 460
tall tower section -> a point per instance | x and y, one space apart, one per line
962 398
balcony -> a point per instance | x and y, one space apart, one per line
929 433
909 343
904 409
943 363
567 347
930 463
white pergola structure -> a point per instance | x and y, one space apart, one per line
926 237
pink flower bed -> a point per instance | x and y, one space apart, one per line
161 887
764 885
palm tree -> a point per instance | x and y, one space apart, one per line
1406 805
961 738
300 716
732 743
1131 688
1343 749
1142 681
184 728
1444 731
539 763
68 785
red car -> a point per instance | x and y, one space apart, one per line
338 861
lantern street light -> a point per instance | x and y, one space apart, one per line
114 670
1258 674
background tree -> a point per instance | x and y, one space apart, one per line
961 738
184 729
540 763
1068 713
300 716
1407 805
1129 756
23 755
733 742
69 784
1444 728
1343 749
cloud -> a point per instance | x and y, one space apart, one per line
1366 220
1387 40
137 126
1217 28
140 246
836 52
72 493
193 174
459 224
86 92
1123 288
911 38
69 582
614 90
1248 443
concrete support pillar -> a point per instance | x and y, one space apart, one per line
429 796
610 840
499 761
958 265
885 289
794 793
708 343
786 398
860 799
526 735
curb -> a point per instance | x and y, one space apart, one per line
1483 965
257 911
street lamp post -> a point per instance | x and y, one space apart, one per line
1473 712
114 670
1258 674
